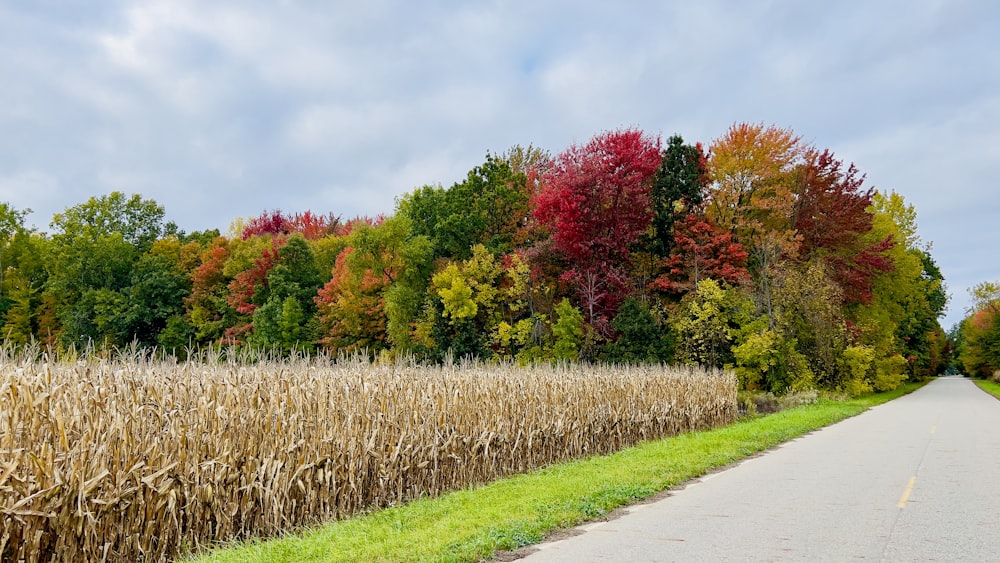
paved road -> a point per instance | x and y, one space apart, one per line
917 479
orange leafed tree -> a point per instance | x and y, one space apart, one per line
753 170
752 193
701 251
351 308
207 303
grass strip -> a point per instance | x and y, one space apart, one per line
472 524
989 386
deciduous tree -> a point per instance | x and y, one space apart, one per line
709 323
207 309
640 337
285 298
94 251
595 199
906 301
139 221
352 309
23 256
701 251
310 225
753 170
378 286
831 218
487 207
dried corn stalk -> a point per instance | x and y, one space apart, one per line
131 459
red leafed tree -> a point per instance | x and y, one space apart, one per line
595 201
310 225
208 275
701 251
313 226
245 288
268 222
207 303
347 227
831 219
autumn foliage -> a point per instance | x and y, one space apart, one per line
352 309
832 219
308 224
702 251
763 259
595 199
761 253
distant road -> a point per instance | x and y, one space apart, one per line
916 479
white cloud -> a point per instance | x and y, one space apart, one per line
31 189
330 127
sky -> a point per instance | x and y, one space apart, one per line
225 109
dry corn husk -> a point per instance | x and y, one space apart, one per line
129 459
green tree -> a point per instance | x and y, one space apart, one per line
810 325
857 364
678 189
709 323
378 287
11 223
531 161
95 250
640 336
19 324
282 321
922 326
485 208
567 331
139 221
159 285
23 253
906 301
464 314
89 273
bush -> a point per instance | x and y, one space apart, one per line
856 365
641 337
889 373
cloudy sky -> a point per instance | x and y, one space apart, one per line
223 109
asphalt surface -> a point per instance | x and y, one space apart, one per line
916 479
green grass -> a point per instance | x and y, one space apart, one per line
989 387
471 525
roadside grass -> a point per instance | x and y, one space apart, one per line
989 386
473 524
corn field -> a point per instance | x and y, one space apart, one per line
142 459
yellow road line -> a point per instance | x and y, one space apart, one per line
906 493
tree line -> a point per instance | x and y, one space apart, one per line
977 337
761 253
